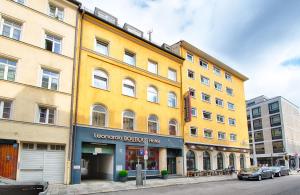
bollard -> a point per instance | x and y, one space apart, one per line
139 175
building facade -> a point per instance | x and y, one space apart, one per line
36 64
215 128
273 125
127 98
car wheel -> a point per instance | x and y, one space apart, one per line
240 178
272 176
259 178
279 174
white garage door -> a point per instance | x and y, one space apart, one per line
46 163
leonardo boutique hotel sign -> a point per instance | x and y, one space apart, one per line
126 138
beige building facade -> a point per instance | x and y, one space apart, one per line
36 67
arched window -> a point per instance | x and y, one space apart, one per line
152 94
206 160
231 160
173 127
190 160
128 87
242 161
172 100
100 79
153 124
220 161
128 120
99 115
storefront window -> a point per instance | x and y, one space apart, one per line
231 160
190 160
134 156
242 161
220 160
206 160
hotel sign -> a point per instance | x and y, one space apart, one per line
187 107
126 138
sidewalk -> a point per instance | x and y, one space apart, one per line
110 186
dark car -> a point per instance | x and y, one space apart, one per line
12 187
255 173
280 171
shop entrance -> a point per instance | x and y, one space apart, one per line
172 154
97 161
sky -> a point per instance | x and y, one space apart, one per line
259 38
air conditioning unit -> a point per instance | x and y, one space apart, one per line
106 16
133 30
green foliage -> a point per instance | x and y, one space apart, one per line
123 173
164 172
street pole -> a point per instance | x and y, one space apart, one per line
145 158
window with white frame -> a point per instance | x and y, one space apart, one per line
172 100
208 133
220 118
218 86
219 102
53 43
129 58
231 121
5 108
56 12
7 69
100 79
205 97
206 115
153 124
193 131
128 87
128 120
101 47
172 74
191 74
152 67
221 135
99 114
192 92
194 111
152 94
172 127
204 80
230 106
46 115
203 64
232 137
217 71
50 79
190 57
229 91
228 77
11 29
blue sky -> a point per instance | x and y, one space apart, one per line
259 38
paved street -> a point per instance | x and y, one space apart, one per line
288 185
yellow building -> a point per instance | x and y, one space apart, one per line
127 97
37 40
215 127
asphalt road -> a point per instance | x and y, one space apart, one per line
286 185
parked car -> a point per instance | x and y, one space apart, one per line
12 187
280 170
255 173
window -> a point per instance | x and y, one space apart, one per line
232 160
5 108
172 100
129 58
278 147
194 112
11 29
28 146
193 131
217 71
228 77
276 133
220 161
204 80
256 112
207 133
248 114
172 74
221 135
232 137
275 120
206 115
192 92
191 74
257 124
273 107
260 148
152 67
128 88
53 43
99 114
133 157
205 97
46 115
258 136
190 57
249 125
7 69
56 12
190 161
153 124
219 102
173 127
250 137
230 106
206 161
20 1
49 79
57 147
218 86
41 146
220 118
100 79
229 91
128 120
101 47
152 94
203 64
231 121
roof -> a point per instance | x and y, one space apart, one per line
75 2
210 58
